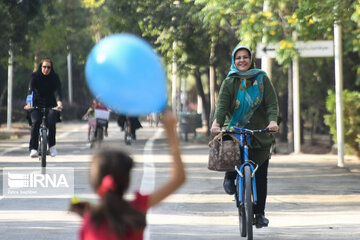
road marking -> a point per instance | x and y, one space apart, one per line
67 133
24 145
14 149
148 179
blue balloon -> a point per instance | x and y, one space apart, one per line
125 74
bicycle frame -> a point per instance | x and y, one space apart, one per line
240 176
43 143
244 136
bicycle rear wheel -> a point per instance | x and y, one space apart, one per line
128 138
99 135
248 202
241 209
43 147
92 137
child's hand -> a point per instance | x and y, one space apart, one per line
79 207
169 120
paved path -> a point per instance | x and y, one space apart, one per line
309 197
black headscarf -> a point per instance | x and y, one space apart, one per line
46 88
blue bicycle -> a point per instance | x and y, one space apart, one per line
245 195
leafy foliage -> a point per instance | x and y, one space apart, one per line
40 29
351 111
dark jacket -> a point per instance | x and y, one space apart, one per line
267 111
46 88
134 122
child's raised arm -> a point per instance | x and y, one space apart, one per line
177 167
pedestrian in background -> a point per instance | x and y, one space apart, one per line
45 88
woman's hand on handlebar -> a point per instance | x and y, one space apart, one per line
27 106
59 106
273 127
215 128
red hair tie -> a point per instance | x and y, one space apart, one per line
107 184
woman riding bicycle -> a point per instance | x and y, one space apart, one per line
248 99
134 124
45 87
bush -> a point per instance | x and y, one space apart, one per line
74 111
18 114
70 112
351 111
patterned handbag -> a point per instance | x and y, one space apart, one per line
224 155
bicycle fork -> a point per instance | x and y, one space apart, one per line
240 177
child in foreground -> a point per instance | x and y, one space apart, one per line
116 218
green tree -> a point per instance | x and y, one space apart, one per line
311 20
14 17
351 111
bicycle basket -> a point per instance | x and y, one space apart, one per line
102 114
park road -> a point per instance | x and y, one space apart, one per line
308 196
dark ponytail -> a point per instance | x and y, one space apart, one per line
113 209
121 217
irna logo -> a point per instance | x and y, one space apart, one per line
27 182
35 180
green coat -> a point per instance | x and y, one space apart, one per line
266 112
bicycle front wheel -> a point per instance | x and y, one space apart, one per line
43 147
248 202
241 209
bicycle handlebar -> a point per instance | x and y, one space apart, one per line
36 107
246 131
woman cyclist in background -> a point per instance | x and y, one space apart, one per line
45 88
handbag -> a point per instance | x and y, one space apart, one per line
224 155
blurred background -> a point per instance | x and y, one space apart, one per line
194 39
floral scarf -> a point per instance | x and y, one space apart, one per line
248 98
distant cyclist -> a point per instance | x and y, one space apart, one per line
45 88
90 116
134 124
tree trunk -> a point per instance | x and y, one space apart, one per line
212 80
283 108
200 90
290 112
2 96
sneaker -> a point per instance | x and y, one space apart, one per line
53 151
261 221
34 153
